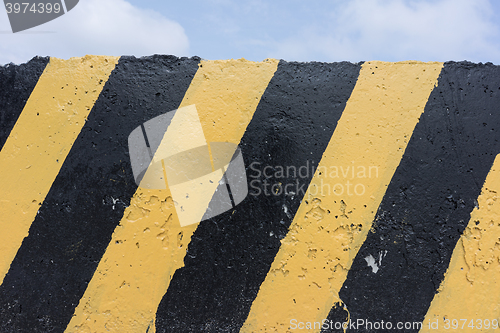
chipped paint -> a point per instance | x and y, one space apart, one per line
428 202
41 140
329 228
149 245
469 288
229 256
357 245
375 264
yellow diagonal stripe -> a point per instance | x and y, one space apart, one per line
469 296
149 245
40 141
337 212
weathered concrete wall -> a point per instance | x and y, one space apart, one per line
372 193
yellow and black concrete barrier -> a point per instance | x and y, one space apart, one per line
165 194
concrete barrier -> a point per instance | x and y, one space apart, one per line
365 199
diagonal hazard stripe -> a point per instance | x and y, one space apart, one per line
335 216
40 141
149 245
467 298
426 207
230 254
87 199
16 85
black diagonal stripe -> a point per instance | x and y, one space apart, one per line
230 255
429 200
16 85
87 200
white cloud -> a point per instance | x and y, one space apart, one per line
394 30
102 27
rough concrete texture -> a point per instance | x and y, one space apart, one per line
372 198
16 85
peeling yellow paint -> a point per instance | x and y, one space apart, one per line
41 140
149 245
330 227
470 287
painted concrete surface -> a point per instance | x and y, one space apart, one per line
369 199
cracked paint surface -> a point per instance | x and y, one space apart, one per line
149 245
41 140
330 227
469 289
147 237
322 268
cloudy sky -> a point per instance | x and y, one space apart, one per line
314 30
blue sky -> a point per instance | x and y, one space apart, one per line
335 30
